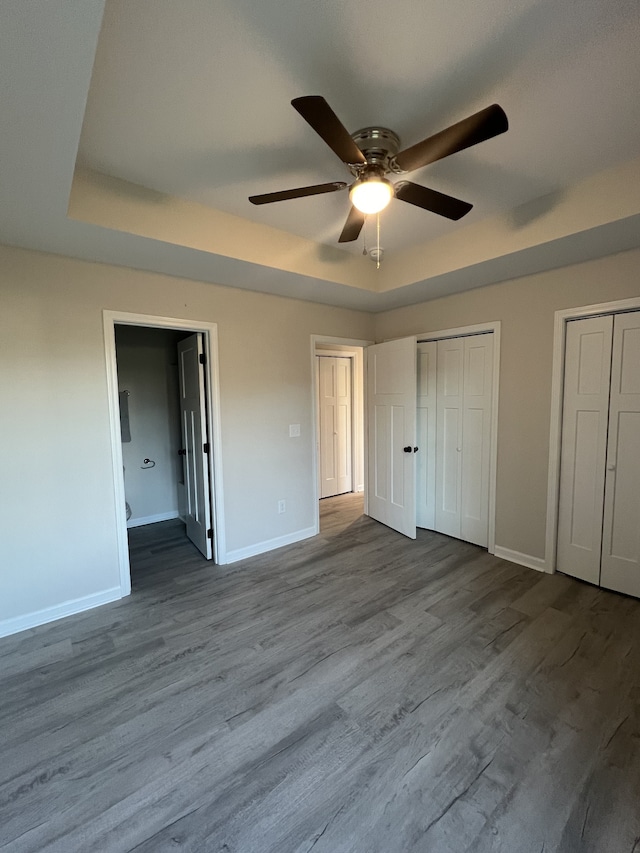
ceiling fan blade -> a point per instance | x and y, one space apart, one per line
300 192
444 205
486 124
353 226
317 112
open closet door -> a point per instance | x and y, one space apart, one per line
195 442
391 416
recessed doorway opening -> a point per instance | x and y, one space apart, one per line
338 421
162 398
167 430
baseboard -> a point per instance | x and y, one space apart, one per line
537 563
359 489
50 614
270 545
152 519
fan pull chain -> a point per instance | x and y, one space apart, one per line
378 240
365 251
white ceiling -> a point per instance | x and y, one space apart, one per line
192 99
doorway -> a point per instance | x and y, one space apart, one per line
150 423
338 422
212 474
164 438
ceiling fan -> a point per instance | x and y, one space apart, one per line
372 153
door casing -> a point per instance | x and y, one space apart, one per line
210 339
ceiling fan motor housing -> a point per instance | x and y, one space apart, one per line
379 145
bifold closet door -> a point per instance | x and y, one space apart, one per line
585 415
464 391
449 407
426 435
476 438
621 530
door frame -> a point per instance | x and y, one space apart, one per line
465 332
561 318
209 333
352 343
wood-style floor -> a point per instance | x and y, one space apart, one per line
355 692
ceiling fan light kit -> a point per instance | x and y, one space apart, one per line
371 194
372 153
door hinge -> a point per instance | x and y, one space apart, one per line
210 533
202 358
205 447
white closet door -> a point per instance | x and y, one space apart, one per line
450 394
426 436
391 409
476 438
334 384
621 532
583 446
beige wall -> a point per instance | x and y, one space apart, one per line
58 535
526 309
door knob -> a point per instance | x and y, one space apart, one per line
182 452
415 449
407 449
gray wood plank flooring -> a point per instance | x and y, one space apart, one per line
353 693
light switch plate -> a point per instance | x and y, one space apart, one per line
294 430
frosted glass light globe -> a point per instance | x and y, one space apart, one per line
371 195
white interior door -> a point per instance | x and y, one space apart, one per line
463 445
450 395
583 448
195 443
621 531
476 438
391 408
334 389
426 435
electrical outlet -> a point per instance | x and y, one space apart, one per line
281 506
